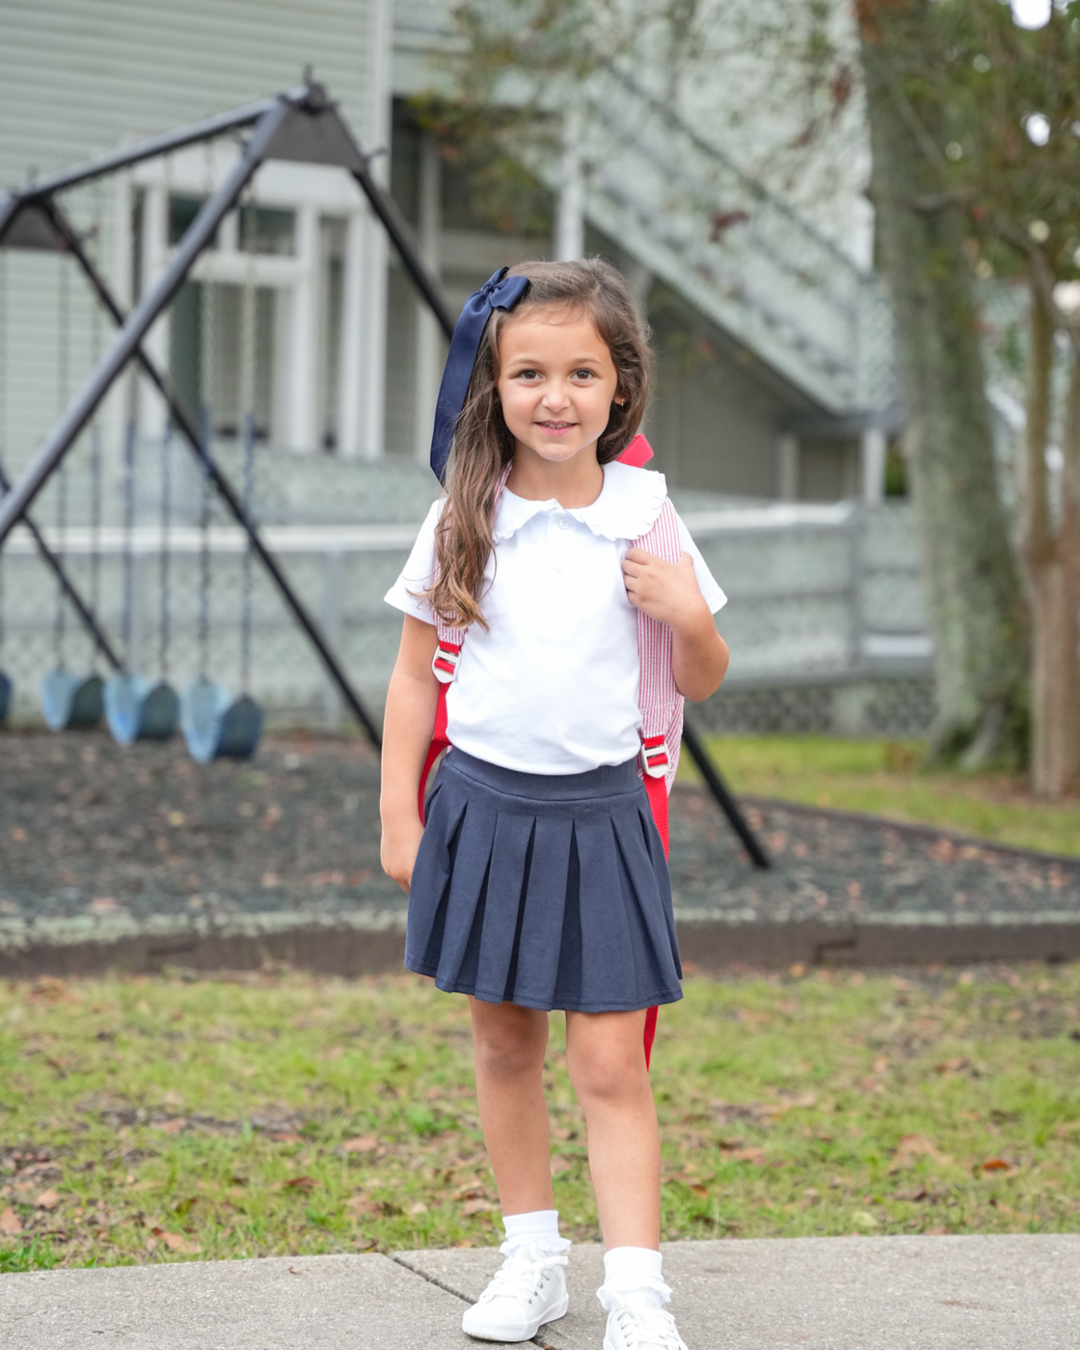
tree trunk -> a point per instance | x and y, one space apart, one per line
971 584
1052 564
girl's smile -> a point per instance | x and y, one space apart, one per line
556 384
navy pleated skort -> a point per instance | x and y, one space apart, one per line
544 890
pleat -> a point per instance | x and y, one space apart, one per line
649 889
430 886
511 856
542 936
466 897
607 943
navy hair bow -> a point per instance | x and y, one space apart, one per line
498 292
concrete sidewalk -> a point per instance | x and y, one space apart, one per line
902 1293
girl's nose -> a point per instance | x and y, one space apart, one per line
555 397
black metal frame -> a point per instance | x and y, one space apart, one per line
300 124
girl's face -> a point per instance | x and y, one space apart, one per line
556 383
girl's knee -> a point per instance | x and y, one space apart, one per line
608 1072
509 1041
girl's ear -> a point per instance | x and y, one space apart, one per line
620 399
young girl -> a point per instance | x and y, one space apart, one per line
539 880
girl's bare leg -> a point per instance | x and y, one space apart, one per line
606 1061
510 1045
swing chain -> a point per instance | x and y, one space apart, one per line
96 346
63 356
3 407
247 387
126 623
163 557
206 435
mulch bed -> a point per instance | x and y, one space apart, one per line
90 828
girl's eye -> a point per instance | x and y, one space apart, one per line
583 375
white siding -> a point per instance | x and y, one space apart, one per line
79 77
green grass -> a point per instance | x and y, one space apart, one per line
890 778
155 1119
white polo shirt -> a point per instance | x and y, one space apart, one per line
552 686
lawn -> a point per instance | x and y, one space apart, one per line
166 1119
891 778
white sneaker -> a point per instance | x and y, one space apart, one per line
528 1291
631 1325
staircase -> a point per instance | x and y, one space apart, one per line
734 250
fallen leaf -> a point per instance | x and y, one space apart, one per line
287 1137
756 1156
304 1183
176 1242
172 1126
864 1219
9 1223
956 1065
418 1208
807 1099
47 1199
997 1165
560 1163
916 1145
361 1203
364 1143
479 1207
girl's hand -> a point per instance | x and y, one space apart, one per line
669 593
407 727
665 591
400 845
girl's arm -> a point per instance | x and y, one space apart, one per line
669 592
407 730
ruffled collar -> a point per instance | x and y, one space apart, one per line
629 503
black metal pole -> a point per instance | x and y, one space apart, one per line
85 613
225 489
160 145
139 321
720 792
394 224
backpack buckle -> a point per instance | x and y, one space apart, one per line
654 756
444 663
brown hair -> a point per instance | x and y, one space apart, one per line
483 445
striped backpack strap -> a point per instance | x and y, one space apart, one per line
444 665
660 702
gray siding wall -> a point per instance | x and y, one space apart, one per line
79 77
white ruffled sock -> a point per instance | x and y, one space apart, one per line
538 1228
635 1274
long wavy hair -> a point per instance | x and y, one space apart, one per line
483 445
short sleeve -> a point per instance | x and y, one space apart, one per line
419 571
714 596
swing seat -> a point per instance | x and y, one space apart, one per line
140 711
203 705
241 728
5 696
70 701
217 726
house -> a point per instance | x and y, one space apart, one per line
775 375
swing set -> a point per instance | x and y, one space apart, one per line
300 125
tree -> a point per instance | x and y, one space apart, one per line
975 602
1012 142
